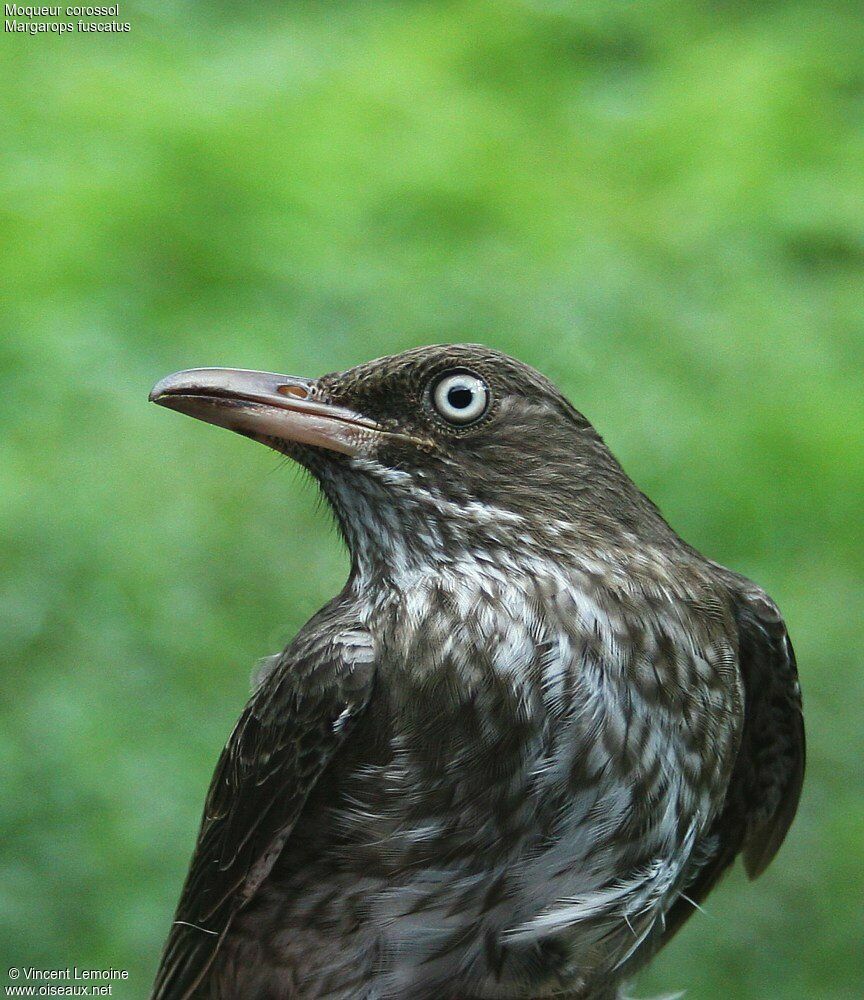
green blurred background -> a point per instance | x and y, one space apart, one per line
658 204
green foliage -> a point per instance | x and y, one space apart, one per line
657 204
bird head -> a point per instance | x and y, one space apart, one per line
428 452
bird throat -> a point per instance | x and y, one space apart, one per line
398 526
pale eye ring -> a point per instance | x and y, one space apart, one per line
460 397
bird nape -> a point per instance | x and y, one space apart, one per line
524 741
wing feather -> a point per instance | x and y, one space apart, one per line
289 731
766 781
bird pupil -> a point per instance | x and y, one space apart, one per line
459 397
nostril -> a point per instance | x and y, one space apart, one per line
299 391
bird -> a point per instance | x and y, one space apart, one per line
522 744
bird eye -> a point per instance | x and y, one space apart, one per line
460 398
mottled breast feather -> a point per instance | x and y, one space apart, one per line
561 747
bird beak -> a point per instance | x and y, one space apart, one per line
264 405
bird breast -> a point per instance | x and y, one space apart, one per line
557 746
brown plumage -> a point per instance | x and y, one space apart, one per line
531 731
